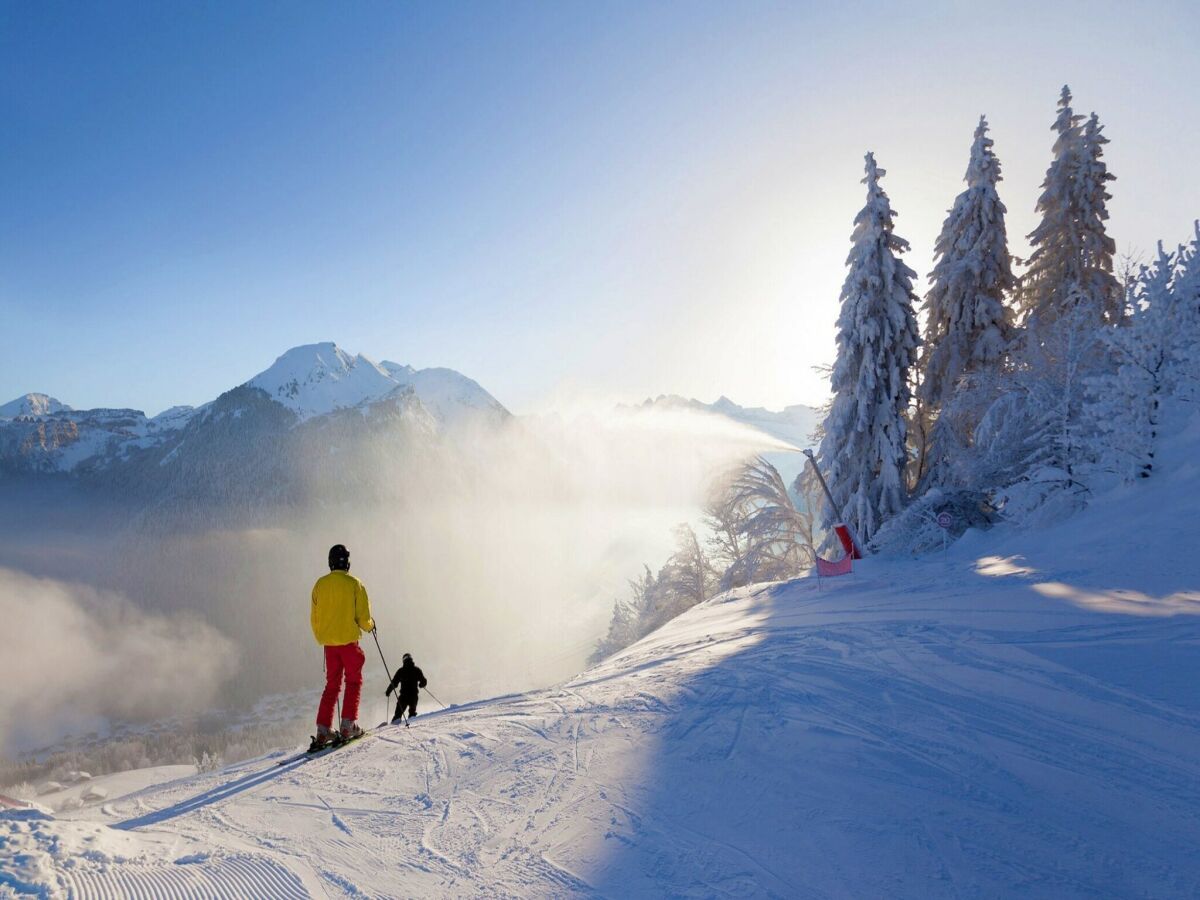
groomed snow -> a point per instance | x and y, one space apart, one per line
73 796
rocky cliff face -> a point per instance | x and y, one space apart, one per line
41 438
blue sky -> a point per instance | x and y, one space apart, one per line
563 200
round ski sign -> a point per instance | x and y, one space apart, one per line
945 520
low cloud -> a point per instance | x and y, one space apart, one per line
74 656
494 558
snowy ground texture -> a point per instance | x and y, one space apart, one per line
1018 715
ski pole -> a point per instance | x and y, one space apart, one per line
381 659
385 668
435 699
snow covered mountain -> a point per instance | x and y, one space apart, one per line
450 396
1015 716
32 405
53 438
317 379
41 435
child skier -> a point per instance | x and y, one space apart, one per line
340 612
410 680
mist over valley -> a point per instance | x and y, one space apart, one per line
492 545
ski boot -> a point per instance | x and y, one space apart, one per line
325 737
350 730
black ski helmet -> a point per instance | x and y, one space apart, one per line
407 658
339 558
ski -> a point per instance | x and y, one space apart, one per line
291 759
322 751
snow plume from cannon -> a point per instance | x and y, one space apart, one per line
75 656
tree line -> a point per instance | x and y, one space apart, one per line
1030 383
1025 391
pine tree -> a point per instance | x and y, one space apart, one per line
864 448
1188 282
1126 403
1099 285
1036 438
625 626
1072 257
968 326
1187 293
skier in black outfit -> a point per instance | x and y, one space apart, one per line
409 679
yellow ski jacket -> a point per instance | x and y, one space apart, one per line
340 609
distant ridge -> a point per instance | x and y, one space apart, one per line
42 435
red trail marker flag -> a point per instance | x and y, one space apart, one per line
843 566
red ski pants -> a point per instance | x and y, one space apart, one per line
347 660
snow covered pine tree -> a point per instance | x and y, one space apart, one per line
1150 358
1036 442
968 327
864 448
1187 293
1072 260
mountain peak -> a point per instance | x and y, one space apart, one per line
397 370
315 379
32 405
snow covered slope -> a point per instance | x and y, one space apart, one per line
451 396
1018 715
94 790
318 378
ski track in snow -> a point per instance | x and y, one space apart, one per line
964 760
920 729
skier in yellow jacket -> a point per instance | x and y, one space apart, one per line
340 612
